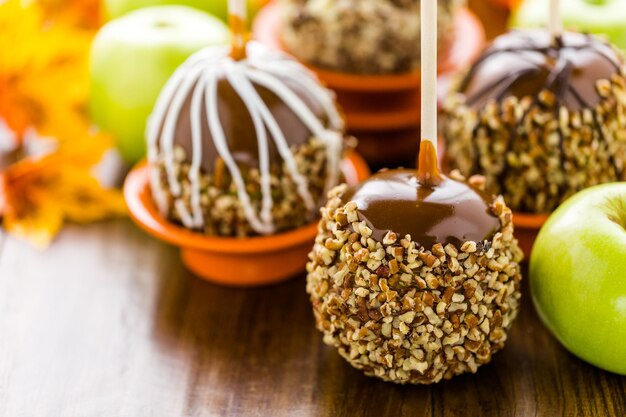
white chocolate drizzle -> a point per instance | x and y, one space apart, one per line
199 77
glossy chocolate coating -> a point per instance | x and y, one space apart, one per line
450 212
239 128
523 63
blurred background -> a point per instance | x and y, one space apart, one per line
78 79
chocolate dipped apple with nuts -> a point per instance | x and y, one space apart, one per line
244 142
541 116
414 276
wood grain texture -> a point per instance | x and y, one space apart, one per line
109 323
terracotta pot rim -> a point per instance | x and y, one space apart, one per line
465 22
145 214
529 220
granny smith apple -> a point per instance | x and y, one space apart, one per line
219 8
578 275
131 59
604 17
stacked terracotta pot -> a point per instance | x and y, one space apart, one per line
368 52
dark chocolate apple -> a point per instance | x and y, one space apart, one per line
541 117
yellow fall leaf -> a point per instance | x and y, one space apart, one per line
41 194
43 75
77 13
44 89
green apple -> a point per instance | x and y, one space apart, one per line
578 275
219 8
131 59
604 17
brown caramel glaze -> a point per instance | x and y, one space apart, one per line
425 204
450 212
523 63
239 128
428 172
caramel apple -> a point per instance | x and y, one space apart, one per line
541 116
243 141
414 276
415 280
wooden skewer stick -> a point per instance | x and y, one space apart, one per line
555 24
428 169
238 20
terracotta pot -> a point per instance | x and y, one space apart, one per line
509 4
382 102
527 228
241 262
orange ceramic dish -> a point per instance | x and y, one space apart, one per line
375 103
509 4
231 261
527 228
467 45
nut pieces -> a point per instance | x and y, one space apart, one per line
360 36
218 194
410 314
537 150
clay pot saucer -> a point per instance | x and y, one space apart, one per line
239 262
507 4
382 102
527 228
527 225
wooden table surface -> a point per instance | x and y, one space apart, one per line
109 323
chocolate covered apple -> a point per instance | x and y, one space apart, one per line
360 36
243 141
414 276
541 116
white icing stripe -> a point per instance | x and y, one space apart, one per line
219 139
305 79
285 152
199 76
246 90
155 121
169 128
179 205
195 115
330 138
295 103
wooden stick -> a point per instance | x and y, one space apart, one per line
555 23
238 19
429 71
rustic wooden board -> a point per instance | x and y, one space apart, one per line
108 323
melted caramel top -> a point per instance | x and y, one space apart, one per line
432 209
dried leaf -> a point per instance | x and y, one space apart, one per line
43 94
43 75
40 194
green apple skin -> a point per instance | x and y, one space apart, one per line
219 8
578 276
131 59
602 17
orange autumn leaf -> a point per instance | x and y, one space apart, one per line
78 13
43 96
43 74
38 195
